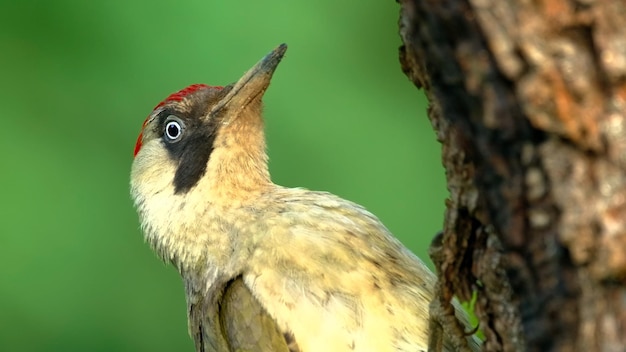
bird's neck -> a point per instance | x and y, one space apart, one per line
238 167
236 177
199 229
199 232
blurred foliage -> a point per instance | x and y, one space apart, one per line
79 77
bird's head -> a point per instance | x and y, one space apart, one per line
206 139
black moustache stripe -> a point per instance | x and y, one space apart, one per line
193 150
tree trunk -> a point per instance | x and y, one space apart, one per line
528 98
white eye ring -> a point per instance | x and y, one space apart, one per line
173 128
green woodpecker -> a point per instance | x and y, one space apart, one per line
268 268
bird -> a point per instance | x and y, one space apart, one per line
267 267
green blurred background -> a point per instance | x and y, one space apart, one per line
77 78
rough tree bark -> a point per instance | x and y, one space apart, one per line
528 98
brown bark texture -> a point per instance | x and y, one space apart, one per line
528 98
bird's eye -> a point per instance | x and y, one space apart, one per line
173 128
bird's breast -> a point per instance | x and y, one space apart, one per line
336 278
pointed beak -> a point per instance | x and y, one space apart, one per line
252 85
